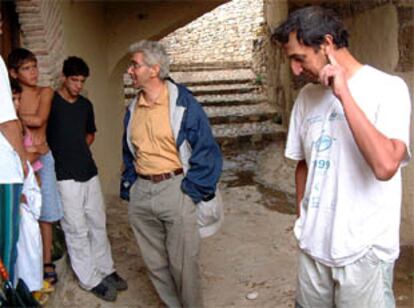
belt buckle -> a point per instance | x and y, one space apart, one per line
153 178
157 178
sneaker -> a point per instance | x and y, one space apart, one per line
105 292
116 282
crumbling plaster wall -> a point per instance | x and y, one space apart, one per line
131 21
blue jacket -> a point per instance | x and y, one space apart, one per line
198 151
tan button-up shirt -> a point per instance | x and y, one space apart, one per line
152 135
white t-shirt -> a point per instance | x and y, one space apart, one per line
10 166
346 210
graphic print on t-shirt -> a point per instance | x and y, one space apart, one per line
356 211
324 149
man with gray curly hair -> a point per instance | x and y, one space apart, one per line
153 53
172 166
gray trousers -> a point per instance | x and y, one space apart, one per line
164 222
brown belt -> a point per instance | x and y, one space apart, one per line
156 178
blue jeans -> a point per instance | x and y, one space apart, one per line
51 204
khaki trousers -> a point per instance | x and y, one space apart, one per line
365 283
164 223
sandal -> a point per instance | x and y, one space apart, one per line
47 287
40 297
50 276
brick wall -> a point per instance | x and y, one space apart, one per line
41 25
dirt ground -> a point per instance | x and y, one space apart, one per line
254 251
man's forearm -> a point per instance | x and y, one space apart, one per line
11 131
382 154
40 117
31 120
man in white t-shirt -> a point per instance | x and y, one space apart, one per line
12 158
349 132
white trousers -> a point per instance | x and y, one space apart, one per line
84 224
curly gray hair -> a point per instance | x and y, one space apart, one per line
154 53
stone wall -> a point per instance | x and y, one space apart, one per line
279 81
42 33
406 37
259 58
226 34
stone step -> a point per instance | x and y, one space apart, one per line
209 66
223 89
229 76
247 129
246 97
241 114
257 133
231 99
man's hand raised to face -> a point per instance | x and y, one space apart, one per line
333 75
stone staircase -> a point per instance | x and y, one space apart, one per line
237 109
238 112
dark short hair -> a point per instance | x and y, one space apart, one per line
75 66
311 24
15 86
18 56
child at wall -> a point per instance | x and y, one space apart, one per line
34 113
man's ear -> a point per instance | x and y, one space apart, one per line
13 73
328 44
328 40
155 70
62 78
